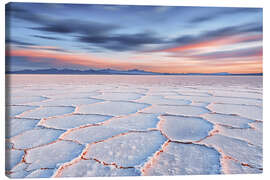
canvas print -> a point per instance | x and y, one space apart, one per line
125 90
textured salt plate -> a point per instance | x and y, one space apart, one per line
183 159
91 168
13 100
41 173
16 110
237 149
67 102
72 95
18 171
119 96
127 150
34 138
74 120
19 167
233 167
137 122
201 104
91 134
176 110
228 120
52 155
161 100
116 108
258 126
185 129
121 89
249 135
45 112
194 93
16 126
227 100
18 174
231 94
250 112
13 157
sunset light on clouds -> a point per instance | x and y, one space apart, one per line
150 38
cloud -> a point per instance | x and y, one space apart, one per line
62 26
229 54
227 11
47 37
77 26
9 41
12 10
123 42
223 36
248 52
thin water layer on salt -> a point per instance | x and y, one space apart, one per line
127 150
52 155
176 110
137 122
92 168
17 110
228 120
237 149
74 120
119 96
13 157
16 126
41 173
149 99
67 102
45 112
183 159
250 112
91 134
34 138
185 129
116 108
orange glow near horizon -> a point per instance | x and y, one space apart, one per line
164 64
213 43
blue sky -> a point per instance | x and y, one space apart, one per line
152 38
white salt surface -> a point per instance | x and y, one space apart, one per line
114 108
178 159
251 112
34 138
127 150
92 168
19 125
45 112
52 155
176 110
81 126
185 129
74 120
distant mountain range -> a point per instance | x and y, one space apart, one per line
118 72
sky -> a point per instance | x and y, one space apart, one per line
171 39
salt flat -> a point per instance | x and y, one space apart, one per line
100 125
